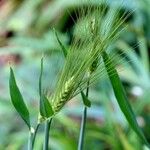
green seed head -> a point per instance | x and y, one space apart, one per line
92 26
63 97
94 32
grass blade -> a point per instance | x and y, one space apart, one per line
46 110
60 43
40 79
17 99
122 98
45 106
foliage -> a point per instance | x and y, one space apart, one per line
24 39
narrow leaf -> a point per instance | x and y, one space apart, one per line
86 101
42 109
122 98
17 99
61 45
40 78
45 106
46 110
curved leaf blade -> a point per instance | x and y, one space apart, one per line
61 45
86 101
17 99
122 98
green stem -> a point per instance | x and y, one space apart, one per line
35 133
30 147
32 136
83 123
47 129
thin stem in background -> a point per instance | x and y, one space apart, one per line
83 123
47 130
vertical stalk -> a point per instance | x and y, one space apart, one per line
83 123
82 129
47 129
35 133
30 138
29 142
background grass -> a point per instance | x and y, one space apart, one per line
26 33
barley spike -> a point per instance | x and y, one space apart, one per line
64 96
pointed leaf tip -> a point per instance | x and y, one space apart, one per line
61 45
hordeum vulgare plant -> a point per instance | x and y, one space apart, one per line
86 61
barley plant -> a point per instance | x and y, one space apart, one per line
88 60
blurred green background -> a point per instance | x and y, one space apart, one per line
26 34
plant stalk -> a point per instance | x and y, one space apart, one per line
35 133
47 130
83 123
30 147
